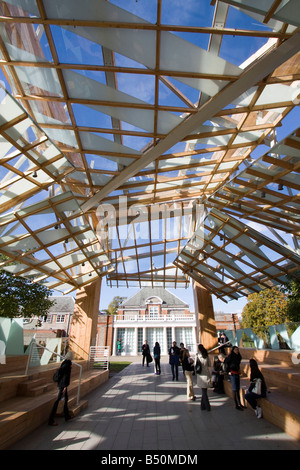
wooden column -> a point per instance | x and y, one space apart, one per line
84 322
205 310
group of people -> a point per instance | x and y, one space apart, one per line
223 366
230 365
198 365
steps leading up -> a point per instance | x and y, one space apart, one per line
282 405
280 357
29 400
33 388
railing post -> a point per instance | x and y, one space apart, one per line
28 361
75 363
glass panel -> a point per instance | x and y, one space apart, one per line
27 5
178 54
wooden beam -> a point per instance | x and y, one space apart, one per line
250 77
205 311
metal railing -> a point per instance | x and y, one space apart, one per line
283 336
220 345
34 358
162 318
99 357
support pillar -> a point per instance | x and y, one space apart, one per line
83 329
204 310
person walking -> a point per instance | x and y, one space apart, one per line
156 355
64 377
257 388
182 350
232 365
119 347
174 354
203 378
146 352
188 368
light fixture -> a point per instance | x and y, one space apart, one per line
66 240
280 187
34 174
56 227
263 194
83 264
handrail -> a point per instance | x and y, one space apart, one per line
59 355
219 346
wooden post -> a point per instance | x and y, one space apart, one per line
205 310
85 318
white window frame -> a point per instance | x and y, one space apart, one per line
153 311
60 318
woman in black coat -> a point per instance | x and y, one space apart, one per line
252 394
62 384
233 362
156 355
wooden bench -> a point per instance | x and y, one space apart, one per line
282 405
30 405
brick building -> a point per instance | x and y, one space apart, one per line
227 321
154 314
56 324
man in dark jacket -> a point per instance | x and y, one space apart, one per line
146 353
174 355
62 384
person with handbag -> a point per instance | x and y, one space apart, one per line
232 366
203 376
64 377
257 388
188 368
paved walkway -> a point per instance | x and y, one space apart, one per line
138 410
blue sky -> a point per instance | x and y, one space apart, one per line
187 12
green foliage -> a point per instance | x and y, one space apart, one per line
114 305
292 290
21 297
266 308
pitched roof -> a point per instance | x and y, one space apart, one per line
139 299
62 304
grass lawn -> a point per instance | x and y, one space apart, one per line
118 366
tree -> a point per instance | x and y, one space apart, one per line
266 308
114 305
292 290
19 297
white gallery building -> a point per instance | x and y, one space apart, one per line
153 314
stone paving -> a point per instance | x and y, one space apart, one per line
138 410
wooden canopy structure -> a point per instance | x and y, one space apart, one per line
143 146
